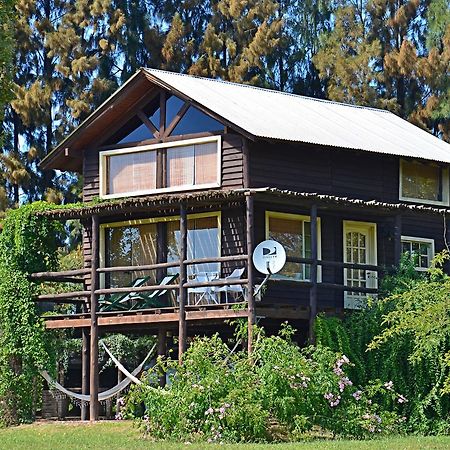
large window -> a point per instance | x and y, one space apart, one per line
420 250
424 182
293 232
183 165
136 243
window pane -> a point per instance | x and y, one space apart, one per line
203 242
422 181
289 233
130 246
173 105
419 252
206 163
194 121
180 166
131 172
133 131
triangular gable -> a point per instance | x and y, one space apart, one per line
138 112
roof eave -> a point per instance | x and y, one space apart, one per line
46 163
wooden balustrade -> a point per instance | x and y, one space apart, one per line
74 297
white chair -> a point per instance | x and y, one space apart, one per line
233 288
207 293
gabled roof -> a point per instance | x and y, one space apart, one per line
261 114
264 113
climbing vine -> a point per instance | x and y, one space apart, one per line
28 244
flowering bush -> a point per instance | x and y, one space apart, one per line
217 396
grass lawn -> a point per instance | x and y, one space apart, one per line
122 435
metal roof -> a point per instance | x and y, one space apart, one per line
265 113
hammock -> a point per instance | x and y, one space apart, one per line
102 396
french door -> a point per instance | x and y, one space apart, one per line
360 247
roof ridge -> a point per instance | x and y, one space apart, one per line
250 86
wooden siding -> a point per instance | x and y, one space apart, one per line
308 168
232 167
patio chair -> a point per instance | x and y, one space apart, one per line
233 288
153 299
205 292
119 301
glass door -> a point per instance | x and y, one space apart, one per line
359 248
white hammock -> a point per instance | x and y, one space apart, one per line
102 396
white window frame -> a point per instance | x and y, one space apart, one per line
371 281
303 218
103 166
445 188
420 240
104 226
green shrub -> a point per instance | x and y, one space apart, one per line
217 396
404 337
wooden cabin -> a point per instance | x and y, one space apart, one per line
184 176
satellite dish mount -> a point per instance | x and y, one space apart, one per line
269 257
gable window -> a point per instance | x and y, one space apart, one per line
423 182
420 250
189 164
293 232
164 116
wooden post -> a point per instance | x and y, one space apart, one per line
250 272
93 407
162 352
246 164
397 239
182 328
84 371
313 273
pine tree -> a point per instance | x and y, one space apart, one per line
6 70
393 54
238 40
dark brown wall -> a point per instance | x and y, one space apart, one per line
418 225
232 167
308 168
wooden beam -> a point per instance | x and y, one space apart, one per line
148 123
249 202
162 111
162 348
84 370
397 239
217 259
138 268
182 327
66 273
63 296
93 378
313 275
176 119
149 317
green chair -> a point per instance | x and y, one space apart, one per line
120 301
153 299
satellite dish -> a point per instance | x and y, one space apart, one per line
269 257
